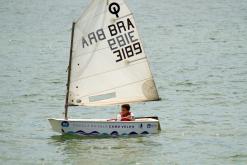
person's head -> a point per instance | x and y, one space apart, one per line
125 108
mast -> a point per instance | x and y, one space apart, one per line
69 73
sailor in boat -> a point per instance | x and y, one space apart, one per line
125 114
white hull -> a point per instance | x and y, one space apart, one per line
103 127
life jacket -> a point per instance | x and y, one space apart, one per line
123 118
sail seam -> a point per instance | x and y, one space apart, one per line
115 87
111 70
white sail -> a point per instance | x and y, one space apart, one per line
109 65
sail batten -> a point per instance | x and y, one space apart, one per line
109 64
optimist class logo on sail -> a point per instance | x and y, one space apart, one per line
121 37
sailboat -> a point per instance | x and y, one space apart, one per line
107 66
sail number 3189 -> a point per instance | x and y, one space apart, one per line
128 51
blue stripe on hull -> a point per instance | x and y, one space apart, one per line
95 133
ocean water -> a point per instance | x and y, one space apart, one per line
198 54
